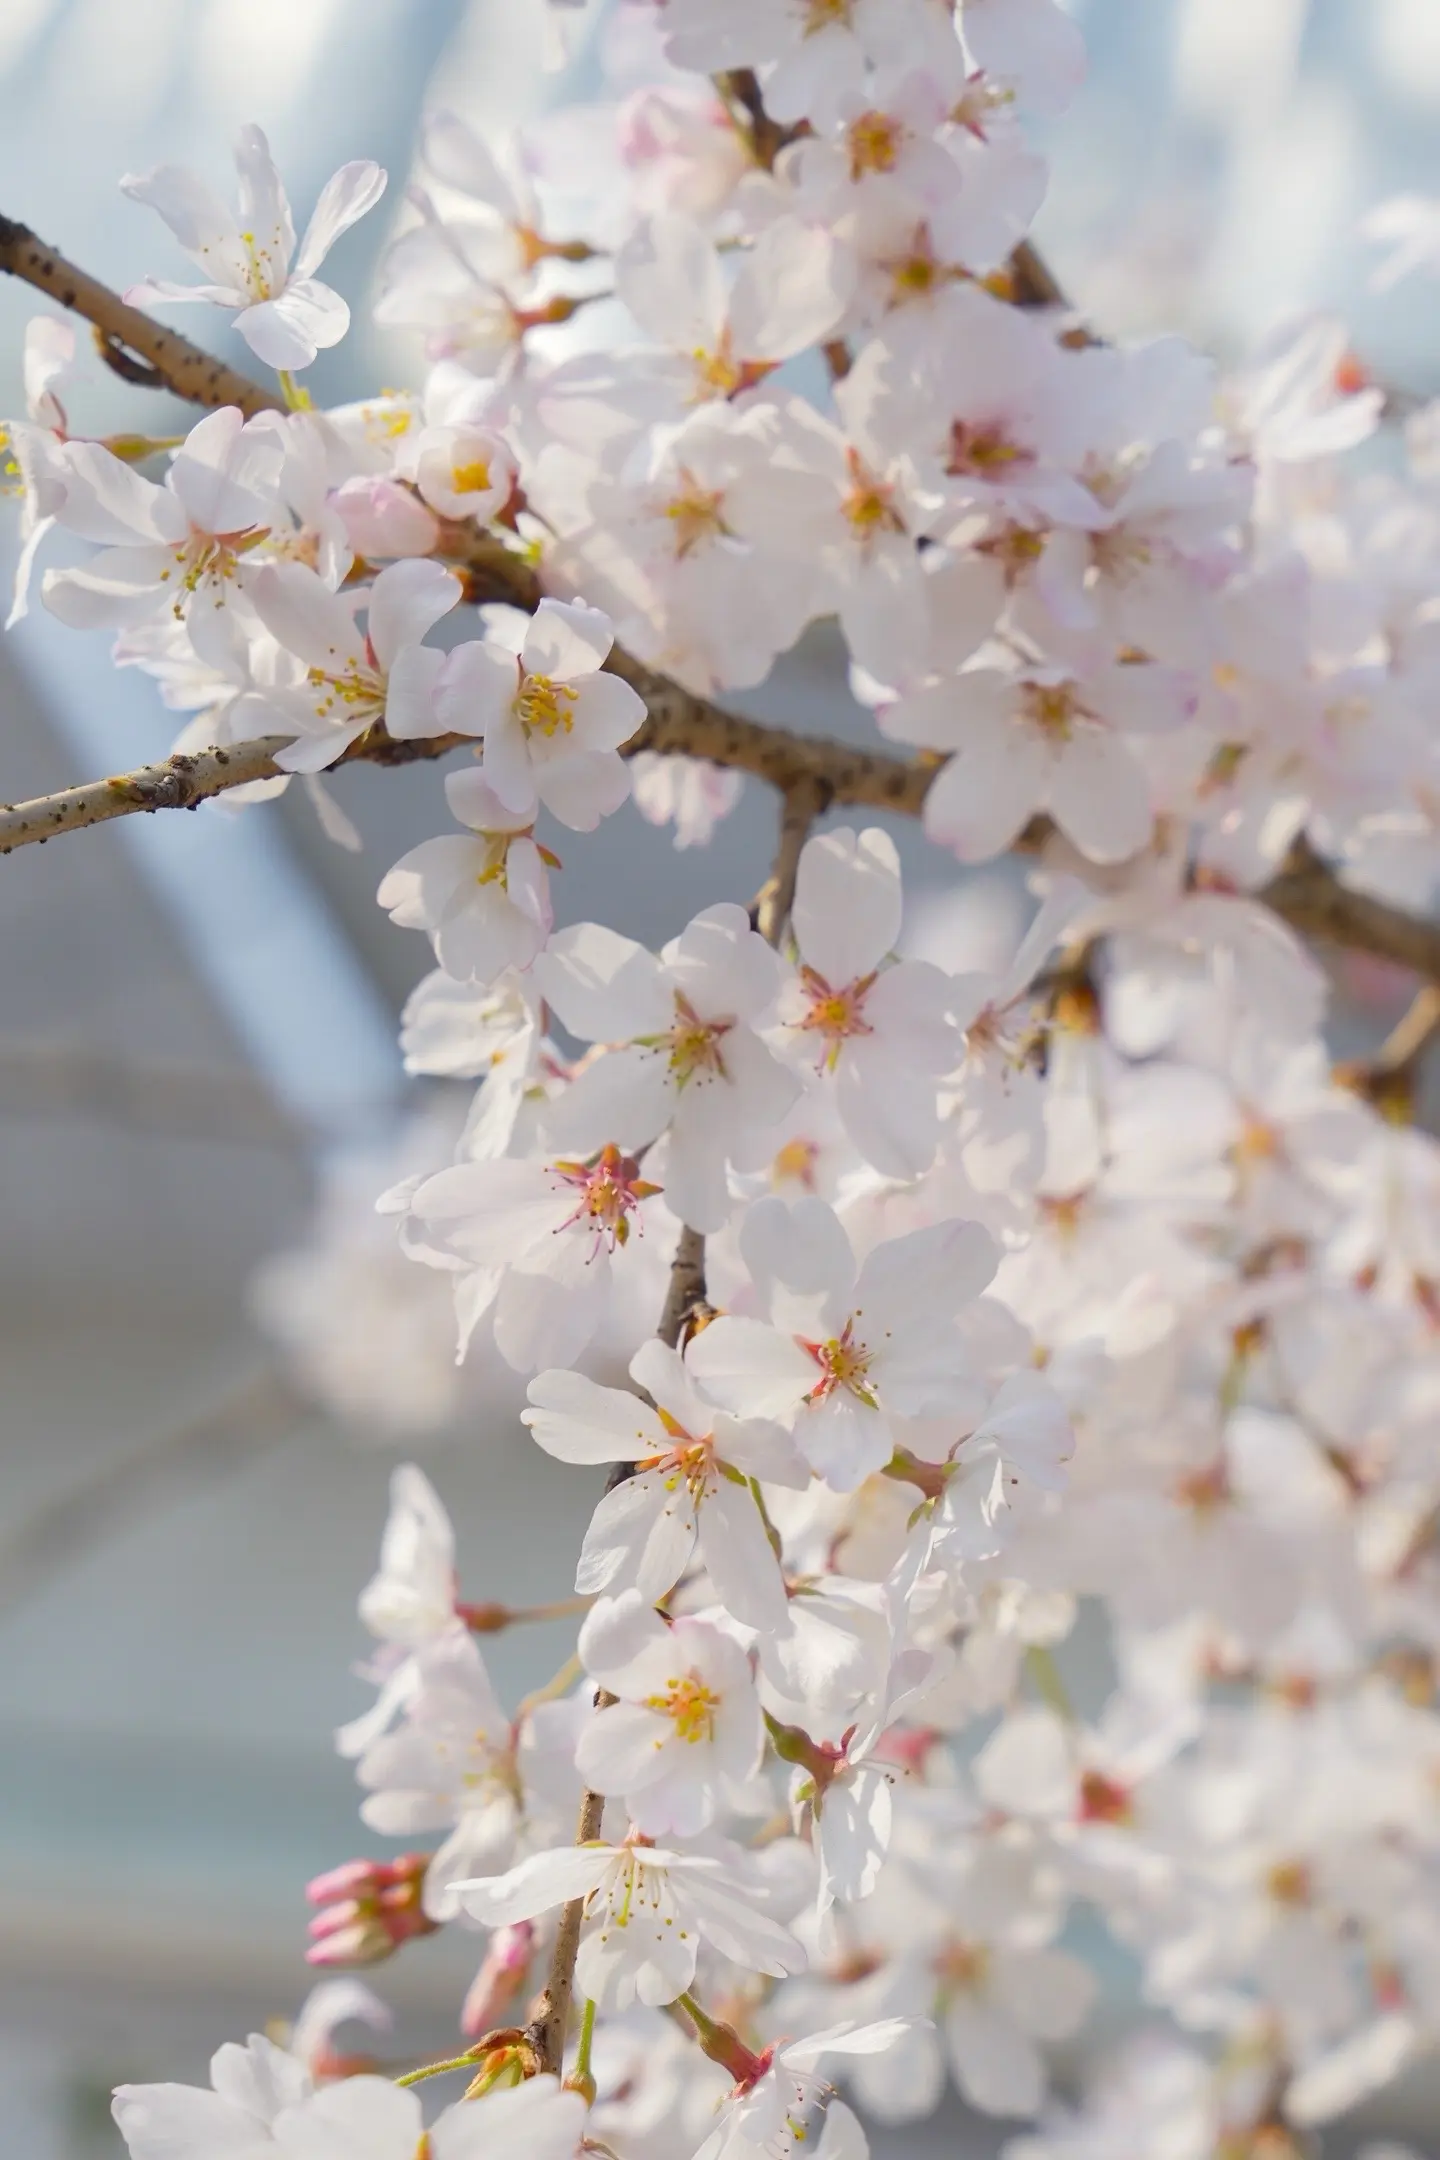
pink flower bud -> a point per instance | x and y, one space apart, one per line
368 1908
382 519
500 1979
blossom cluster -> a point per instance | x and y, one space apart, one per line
1067 1283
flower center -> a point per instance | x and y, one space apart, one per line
694 1044
843 1363
695 516
794 1164
471 479
869 507
962 1965
823 14
983 450
259 268
835 1015
609 1190
1289 1883
1103 1801
689 1705
718 373
1052 707
494 869
874 143
544 706
358 689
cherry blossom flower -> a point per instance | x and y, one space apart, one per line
692 1489
647 1912
692 1065
686 1725
449 1765
537 1239
552 722
852 1349
786 2105
484 897
356 679
688 793
285 314
881 1026
184 546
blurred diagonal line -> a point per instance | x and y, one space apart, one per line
261 1413
49 1079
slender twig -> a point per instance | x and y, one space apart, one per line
799 807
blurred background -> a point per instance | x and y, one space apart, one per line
187 1004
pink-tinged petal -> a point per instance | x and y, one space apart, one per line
545 1880
227 472
661 1372
199 220
475 803
627 1096
109 502
302 614
382 519
410 693
406 600
477 687
159 2122
847 909
506 762
843 1439
983 799
923 1279
566 640
1099 796
605 987
165 289
121 587
264 209
739 1559
669 276
606 713
315 753
641 1536
578 1421
793 287
889 1107
850 2040
583 788
288 331
751 1370
345 198
551 1312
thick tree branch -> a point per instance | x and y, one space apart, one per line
176 364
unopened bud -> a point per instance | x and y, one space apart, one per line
367 1909
383 519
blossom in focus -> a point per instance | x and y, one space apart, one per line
284 313
552 720
647 1911
851 1348
356 679
686 1724
185 546
882 1026
689 1062
483 896
689 1492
